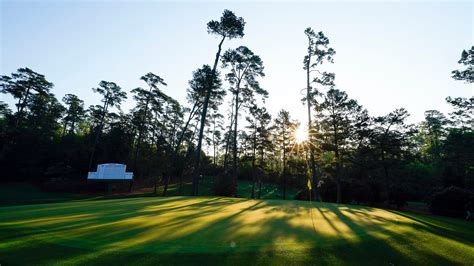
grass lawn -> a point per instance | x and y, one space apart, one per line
215 230
23 193
244 189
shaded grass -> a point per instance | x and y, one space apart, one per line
244 189
220 231
24 193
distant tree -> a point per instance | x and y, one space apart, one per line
467 59
44 115
259 124
318 53
144 97
337 122
230 26
228 136
463 115
174 113
217 128
5 114
22 85
196 94
458 159
284 135
390 135
435 123
75 113
112 96
245 68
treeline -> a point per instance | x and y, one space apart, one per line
349 156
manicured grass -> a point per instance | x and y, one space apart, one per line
214 230
23 193
244 189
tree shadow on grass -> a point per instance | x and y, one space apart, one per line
221 231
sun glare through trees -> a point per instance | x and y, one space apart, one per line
301 134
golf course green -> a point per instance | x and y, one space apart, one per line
220 231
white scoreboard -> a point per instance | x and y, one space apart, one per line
110 171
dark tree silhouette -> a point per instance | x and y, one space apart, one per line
337 121
245 68
112 96
318 53
389 133
284 135
75 113
230 26
22 85
144 97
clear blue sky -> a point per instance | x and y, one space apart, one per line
389 54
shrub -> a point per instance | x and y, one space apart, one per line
302 194
452 201
224 186
399 195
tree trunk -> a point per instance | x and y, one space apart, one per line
386 182
310 131
226 154
73 127
195 187
234 152
284 167
259 189
338 162
64 129
167 181
214 141
181 136
254 158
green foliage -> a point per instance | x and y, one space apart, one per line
75 113
224 186
230 26
467 59
22 85
452 201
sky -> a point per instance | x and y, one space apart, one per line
388 54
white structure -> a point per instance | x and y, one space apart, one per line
110 171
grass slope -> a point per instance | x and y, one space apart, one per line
214 230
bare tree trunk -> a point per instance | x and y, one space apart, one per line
234 152
284 168
226 154
254 158
183 132
214 140
338 163
312 163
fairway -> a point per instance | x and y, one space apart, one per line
214 230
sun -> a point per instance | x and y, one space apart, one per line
301 134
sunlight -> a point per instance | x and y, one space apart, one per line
301 134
